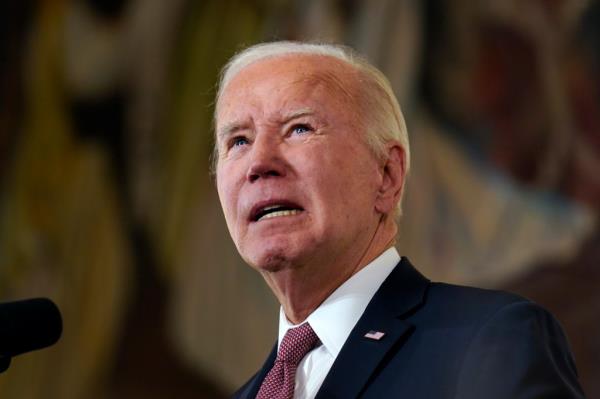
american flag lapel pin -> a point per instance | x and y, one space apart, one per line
374 335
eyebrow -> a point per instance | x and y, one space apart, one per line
236 126
230 129
297 114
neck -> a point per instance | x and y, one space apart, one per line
301 289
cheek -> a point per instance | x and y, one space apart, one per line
227 195
330 184
349 182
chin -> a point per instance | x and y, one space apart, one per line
272 264
278 251
272 259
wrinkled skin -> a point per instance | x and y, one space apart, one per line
289 133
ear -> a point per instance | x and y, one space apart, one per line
393 177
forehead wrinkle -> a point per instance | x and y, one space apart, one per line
286 116
232 127
333 81
280 119
242 123
346 84
342 80
342 84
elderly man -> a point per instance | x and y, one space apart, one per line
311 160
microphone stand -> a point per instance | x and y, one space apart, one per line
4 363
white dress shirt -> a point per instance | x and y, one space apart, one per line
334 319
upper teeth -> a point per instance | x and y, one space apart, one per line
287 212
283 212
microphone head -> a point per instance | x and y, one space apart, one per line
28 325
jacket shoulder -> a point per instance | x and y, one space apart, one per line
468 303
514 345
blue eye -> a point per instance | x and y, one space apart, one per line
301 129
239 141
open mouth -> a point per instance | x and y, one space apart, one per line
275 210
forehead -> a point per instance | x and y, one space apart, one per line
289 80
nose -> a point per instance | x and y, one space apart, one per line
266 160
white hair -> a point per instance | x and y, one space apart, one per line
383 119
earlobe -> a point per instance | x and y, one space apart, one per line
392 182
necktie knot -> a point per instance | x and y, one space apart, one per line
296 343
279 382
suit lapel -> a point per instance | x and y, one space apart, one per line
358 359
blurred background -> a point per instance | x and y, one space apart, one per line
107 206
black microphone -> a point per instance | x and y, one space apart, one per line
27 325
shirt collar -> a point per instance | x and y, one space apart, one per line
335 318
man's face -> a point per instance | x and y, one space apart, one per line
296 180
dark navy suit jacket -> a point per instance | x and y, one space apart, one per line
447 341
